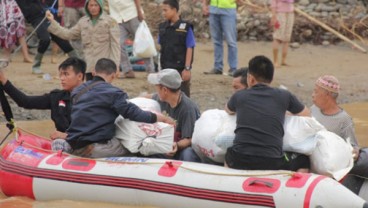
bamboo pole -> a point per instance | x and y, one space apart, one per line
326 27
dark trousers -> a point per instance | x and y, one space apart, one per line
185 87
45 37
290 161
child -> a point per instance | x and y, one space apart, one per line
177 43
282 20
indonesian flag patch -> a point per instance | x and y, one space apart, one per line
62 103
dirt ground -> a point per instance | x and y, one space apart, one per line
212 91
307 63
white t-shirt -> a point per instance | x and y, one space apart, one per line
122 10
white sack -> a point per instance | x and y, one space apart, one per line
144 45
133 136
213 129
333 155
146 104
300 134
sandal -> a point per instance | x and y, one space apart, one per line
4 63
127 75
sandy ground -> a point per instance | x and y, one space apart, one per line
307 64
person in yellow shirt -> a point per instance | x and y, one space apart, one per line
222 14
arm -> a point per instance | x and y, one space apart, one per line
230 107
60 8
349 132
190 44
22 100
134 113
186 74
304 112
139 10
205 7
273 13
228 110
73 33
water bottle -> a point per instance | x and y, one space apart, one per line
47 77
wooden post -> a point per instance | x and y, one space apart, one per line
326 27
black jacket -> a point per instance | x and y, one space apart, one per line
173 44
96 104
58 101
31 9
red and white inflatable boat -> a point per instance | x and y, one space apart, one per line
29 168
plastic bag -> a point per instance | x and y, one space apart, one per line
333 155
133 136
146 104
300 134
213 133
144 45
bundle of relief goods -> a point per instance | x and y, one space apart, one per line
147 139
332 156
146 104
299 134
213 134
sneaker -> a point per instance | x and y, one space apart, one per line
214 71
128 75
231 72
37 71
4 63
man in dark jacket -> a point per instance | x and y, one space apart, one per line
71 73
96 105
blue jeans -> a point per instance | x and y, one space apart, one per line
186 154
224 24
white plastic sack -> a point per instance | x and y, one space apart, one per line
144 45
333 155
300 134
213 129
145 138
146 104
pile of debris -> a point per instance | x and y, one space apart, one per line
348 17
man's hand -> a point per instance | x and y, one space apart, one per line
186 75
184 143
49 16
173 151
58 135
205 9
141 16
356 151
165 119
60 11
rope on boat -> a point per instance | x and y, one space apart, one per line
170 162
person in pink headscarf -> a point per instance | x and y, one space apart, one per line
12 29
282 21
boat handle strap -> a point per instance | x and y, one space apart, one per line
266 183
